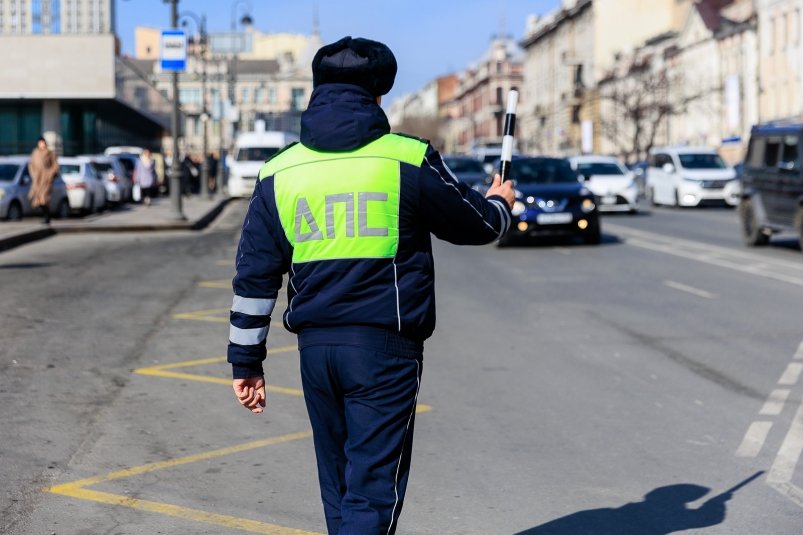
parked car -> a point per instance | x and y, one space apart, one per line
115 178
85 188
613 184
251 151
689 176
772 183
15 183
550 201
467 169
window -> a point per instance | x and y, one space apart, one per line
796 27
259 94
499 95
771 33
771 151
755 152
244 94
189 96
272 95
790 159
298 100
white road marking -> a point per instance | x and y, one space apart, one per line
775 403
791 374
754 439
799 354
690 289
784 466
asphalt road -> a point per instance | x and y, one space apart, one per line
568 389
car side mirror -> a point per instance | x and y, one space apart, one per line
668 168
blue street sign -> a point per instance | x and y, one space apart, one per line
173 51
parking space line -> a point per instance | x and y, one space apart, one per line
689 289
799 354
775 403
754 439
166 371
791 374
77 489
784 466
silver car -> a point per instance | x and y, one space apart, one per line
15 183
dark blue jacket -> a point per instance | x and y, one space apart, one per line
395 294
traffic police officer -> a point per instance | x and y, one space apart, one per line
348 213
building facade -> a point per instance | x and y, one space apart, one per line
567 52
781 59
56 16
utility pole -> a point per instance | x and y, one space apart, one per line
176 212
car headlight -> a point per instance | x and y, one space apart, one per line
518 208
2 194
587 205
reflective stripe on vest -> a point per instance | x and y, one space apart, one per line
342 205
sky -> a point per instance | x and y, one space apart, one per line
429 38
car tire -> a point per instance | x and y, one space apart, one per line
63 211
14 211
651 197
593 234
752 232
88 211
677 199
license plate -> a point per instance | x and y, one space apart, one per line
554 219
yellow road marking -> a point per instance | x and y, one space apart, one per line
76 489
225 283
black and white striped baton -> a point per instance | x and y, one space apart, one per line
510 128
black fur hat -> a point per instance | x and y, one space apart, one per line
368 64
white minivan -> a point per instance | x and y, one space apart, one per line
690 176
251 151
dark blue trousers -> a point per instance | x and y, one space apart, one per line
361 387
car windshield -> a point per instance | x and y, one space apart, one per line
70 169
546 171
599 169
701 161
464 165
8 172
255 154
102 167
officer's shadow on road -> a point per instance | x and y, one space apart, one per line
663 511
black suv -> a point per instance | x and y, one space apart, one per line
772 183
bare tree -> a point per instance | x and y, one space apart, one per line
430 128
636 106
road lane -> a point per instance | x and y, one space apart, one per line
560 379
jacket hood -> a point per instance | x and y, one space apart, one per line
342 117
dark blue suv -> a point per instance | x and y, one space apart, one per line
772 183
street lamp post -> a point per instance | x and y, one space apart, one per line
176 212
245 20
201 24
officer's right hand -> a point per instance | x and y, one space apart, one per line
503 189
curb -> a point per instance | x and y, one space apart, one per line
30 236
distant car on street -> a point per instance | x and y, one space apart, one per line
550 201
467 169
115 178
613 184
251 151
15 183
85 188
690 176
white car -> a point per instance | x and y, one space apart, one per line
610 181
250 153
85 188
115 178
690 176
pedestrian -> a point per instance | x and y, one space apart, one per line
189 175
145 177
43 168
348 213
211 162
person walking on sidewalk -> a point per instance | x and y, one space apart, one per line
145 177
43 168
348 212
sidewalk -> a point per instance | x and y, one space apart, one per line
127 218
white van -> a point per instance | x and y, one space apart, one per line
250 153
690 176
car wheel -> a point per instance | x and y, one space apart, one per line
14 211
593 234
651 197
88 211
63 210
752 232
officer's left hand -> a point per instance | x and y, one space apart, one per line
250 393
